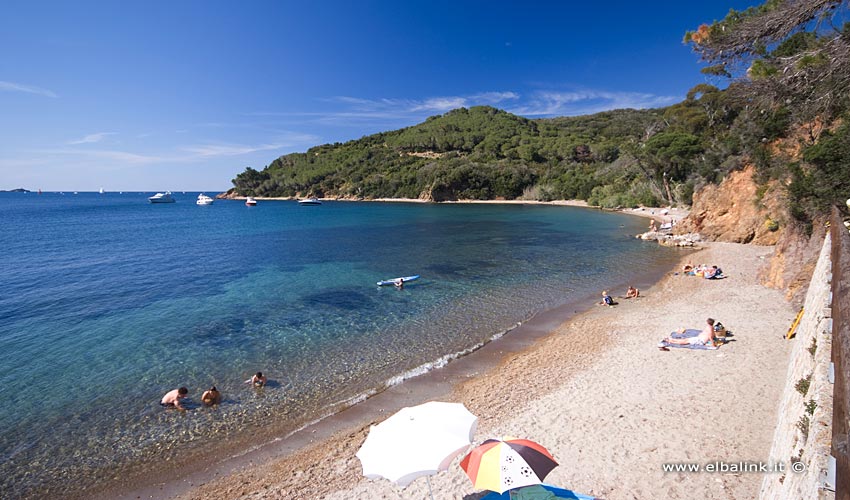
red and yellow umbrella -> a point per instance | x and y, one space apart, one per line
504 464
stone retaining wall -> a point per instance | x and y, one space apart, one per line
801 442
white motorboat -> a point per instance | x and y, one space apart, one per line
310 201
250 201
204 200
162 198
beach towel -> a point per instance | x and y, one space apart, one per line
537 491
685 335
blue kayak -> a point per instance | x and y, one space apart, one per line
393 281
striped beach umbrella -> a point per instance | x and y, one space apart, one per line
503 464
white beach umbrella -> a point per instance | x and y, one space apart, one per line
417 441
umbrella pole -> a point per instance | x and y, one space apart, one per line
430 493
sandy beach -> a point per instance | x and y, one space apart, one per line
598 393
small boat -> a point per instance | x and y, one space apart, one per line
162 198
310 201
204 200
250 201
101 190
394 281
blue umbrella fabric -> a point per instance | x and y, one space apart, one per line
537 492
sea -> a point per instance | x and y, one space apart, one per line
108 302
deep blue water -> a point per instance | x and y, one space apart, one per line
108 302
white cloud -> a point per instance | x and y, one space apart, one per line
29 89
212 150
91 138
440 104
494 97
390 113
358 110
279 140
117 156
554 103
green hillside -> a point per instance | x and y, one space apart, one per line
615 158
787 85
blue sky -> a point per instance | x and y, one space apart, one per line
183 95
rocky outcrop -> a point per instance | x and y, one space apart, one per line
793 261
737 211
230 194
672 240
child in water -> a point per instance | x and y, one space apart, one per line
258 380
211 397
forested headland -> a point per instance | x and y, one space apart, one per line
784 67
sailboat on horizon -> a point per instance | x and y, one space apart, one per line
101 190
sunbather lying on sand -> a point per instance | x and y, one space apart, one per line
705 337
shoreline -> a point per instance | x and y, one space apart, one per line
660 214
578 384
434 384
439 383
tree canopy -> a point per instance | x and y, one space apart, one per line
783 52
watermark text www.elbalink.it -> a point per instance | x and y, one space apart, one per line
740 467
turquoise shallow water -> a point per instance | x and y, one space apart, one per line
108 302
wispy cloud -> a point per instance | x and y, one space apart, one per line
401 107
494 97
282 140
388 113
91 138
355 111
556 103
112 155
178 154
212 150
29 89
440 104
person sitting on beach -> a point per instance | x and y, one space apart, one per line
688 268
712 273
632 292
606 299
172 398
211 397
705 337
258 380
652 226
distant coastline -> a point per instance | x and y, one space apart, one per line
661 214
18 190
